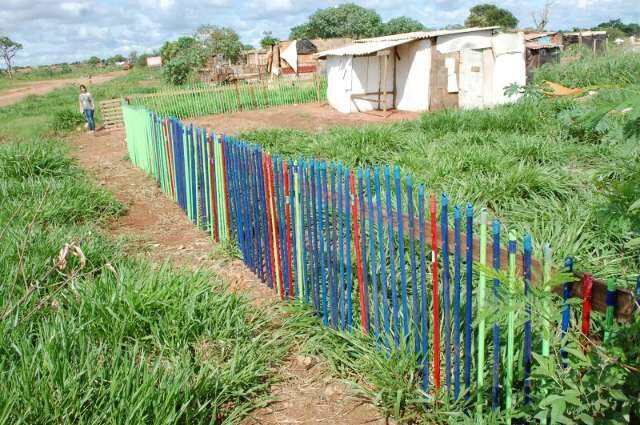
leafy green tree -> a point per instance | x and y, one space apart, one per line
346 20
178 70
8 50
268 40
401 25
94 60
627 29
220 41
171 48
116 58
486 15
133 57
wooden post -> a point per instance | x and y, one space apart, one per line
266 93
317 84
238 95
384 83
395 54
253 95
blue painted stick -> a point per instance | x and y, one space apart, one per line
401 255
527 246
314 222
322 192
392 257
446 278
566 309
334 290
423 292
495 388
363 248
372 261
340 240
468 333
412 257
456 302
383 259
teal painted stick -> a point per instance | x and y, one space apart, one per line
482 283
546 328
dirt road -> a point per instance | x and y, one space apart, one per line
154 225
16 94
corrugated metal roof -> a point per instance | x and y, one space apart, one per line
536 46
418 35
533 35
363 49
586 33
367 46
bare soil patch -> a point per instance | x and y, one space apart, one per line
160 231
309 116
16 94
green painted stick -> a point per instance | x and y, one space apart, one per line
482 283
608 324
508 385
546 328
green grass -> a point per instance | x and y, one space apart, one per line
99 335
521 161
50 73
34 117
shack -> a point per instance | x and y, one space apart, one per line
300 56
425 70
541 48
597 41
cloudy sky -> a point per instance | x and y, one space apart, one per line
63 31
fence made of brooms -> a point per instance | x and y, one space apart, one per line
208 99
368 249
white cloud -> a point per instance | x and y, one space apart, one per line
68 30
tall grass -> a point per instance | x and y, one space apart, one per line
90 335
522 161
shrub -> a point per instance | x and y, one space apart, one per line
66 120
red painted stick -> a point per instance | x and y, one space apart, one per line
587 290
214 195
285 177
436 296
267 195
226 192
356 243
277 257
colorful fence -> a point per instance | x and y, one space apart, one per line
207 99
369 249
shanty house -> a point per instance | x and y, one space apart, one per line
597 41
541 48
422 71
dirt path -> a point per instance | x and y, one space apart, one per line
159 230
16 94
310 116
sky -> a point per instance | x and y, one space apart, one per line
55 31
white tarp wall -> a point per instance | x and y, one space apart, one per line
510 66
412 76
348 75
339 79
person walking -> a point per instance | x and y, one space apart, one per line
87 107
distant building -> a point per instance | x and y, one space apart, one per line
597 41
541 48
426 71
154 61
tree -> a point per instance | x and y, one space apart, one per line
268 40
486 15
401 25
115 59
220 41
541 21
346 20
627 29
94 60
133 57
8 50
171 48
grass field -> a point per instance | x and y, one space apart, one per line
96 335
49 73
534 164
